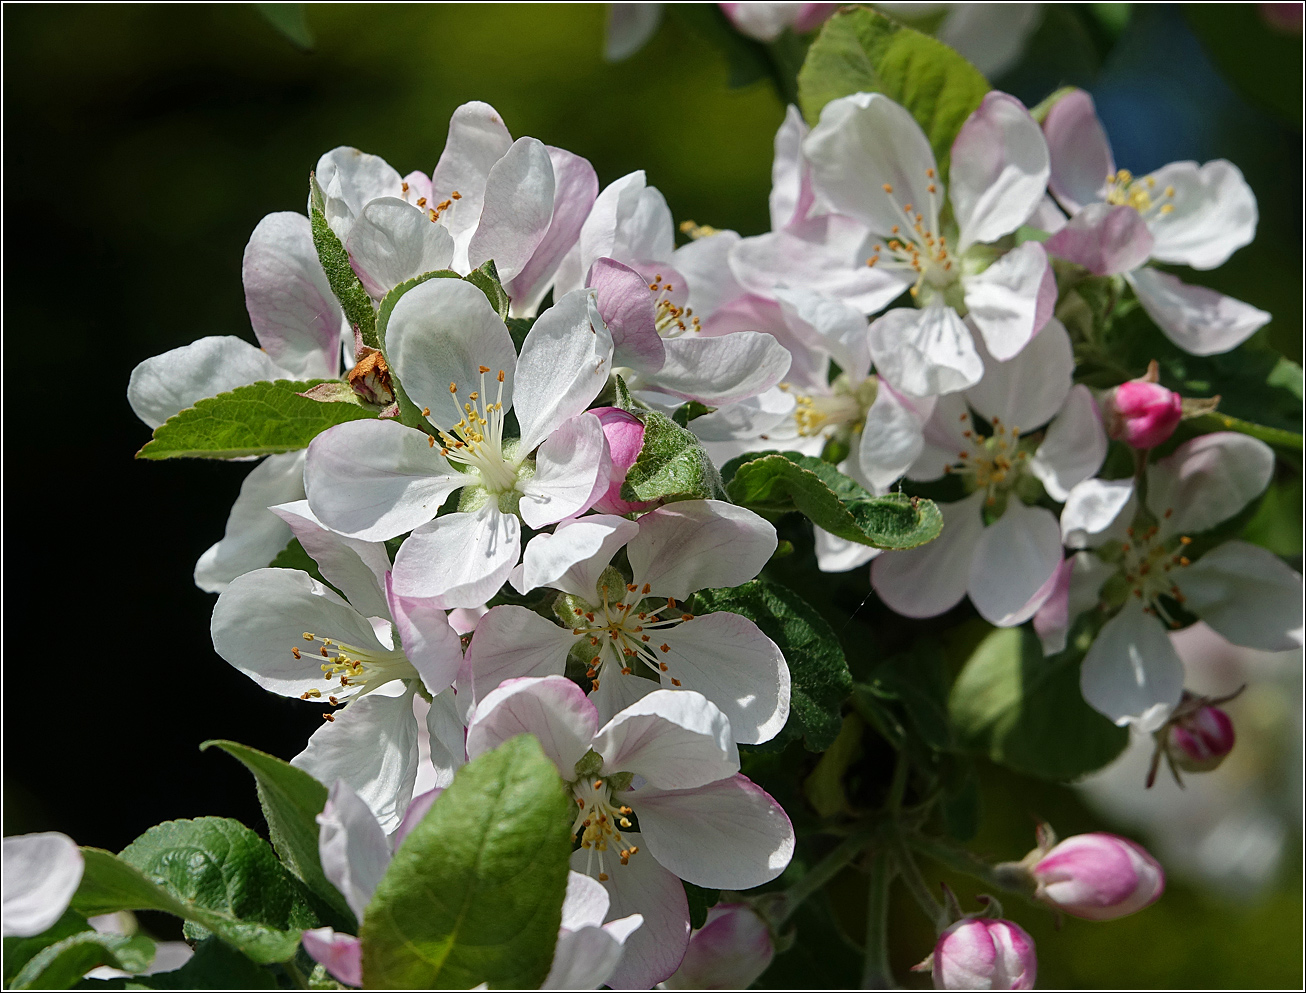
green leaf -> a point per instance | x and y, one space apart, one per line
700 902
344 282
474 894
1026 712
486 279
293 556
59 966
258 419
818 671
780 482
288 18
862 51
19 951
686 412
214 966
519 328
913 685
672 464
291 800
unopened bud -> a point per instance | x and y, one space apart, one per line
1098 877
731 950
1198 742
982 954
1142 413
625 434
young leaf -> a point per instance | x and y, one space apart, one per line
258 419
474 894
686 412
779 482
61 965
818 672
19 951
671 466
344 282
862 51
291 800
214 966
486 279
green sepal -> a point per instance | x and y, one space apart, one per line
672 464
340 275
486 279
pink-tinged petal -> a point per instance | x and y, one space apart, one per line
924 582
1052 619
704 265
1080 154
730 661
419 187
517 211
643 887
761 21
721 370
1247 594
462 559
729 952
626 306
393 241
728 834
835 554
999 170
1007 300
675 740
696 544
1028 390
869 158
1014 559
1074 447
892 439
1207 480
478 139
444 331
349 179
1105 240
294 313
417 809
625 436
354 850
819 323
356 568
372 746
991 37
41 874
1198 320
1047 216
254 535
166 384
429 641
553 709
925 352
1132 673
981 954
945 438
342 954
510 643
565 361
574 556
630 26
1213 213
1099 877
584 959
376 479
570 470
1097 511
575 185
630 222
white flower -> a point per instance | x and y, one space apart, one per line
41 874
668 760
455 358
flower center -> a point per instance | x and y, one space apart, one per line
1123 190
1148 566
598 824
433 210
670 320
992 463
844 405
476 441
356 669
918 244
623 636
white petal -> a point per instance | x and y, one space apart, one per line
944 437
721 370
1000 170
729 834
1096 511
925 352
1213 215
891 440
697 544
349 180
585 903
1003 300
674 739
511 642
585 958
478 138
1080 153
462 559
926 581
1073 448
254 535
789 179
393 241
1132 673
630 222
372 746
990 36
1014 559
1247 594
1047 216
834 554
824 323
1207 480
618 690
447 736
356 568
517 211
377 479
575 187
565 361
575 555
1028 391
445 331
630 26
354 850
728 659
1198 320
41 874
428 639
166 384
705 265
569 468
553 709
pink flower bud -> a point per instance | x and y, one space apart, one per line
1142 414
1098 877
625 434
730 950
1200 741
981 954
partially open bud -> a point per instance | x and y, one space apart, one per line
982 954
729 952
1098 877
1142 413
625 434
1199 742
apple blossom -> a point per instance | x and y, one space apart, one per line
669 760
1202 740
625 436
977 953
729 952
1098 877
41 874
1142 413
